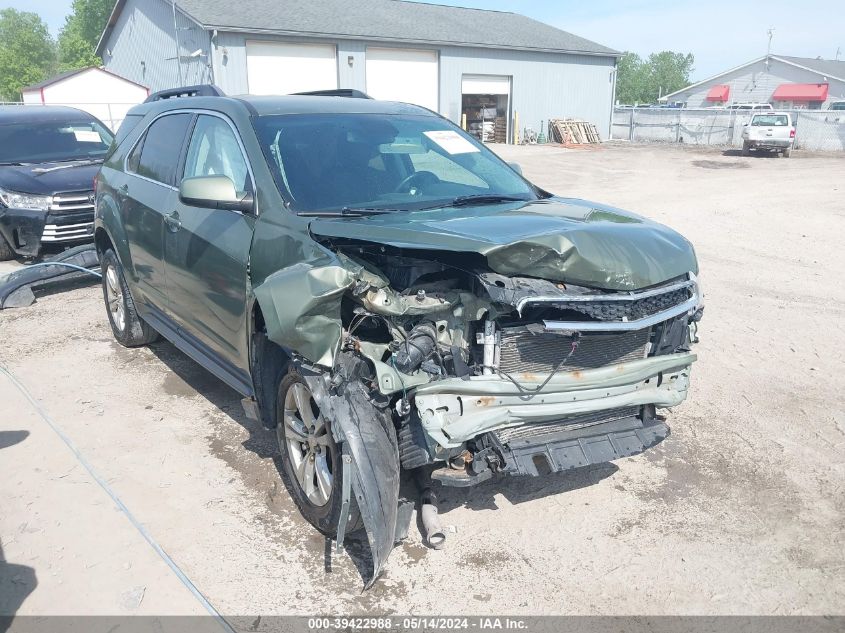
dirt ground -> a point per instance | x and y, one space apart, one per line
740 511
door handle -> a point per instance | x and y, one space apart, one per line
173 222
123 190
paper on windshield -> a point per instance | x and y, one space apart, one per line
451 141
87 136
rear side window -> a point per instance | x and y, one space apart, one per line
159 149
767 120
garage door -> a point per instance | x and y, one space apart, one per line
279 68
405 75
485 107
485 85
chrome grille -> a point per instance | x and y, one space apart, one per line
524 351
67 232
569 423
72 201
618 309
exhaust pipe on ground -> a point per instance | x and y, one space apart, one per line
434 534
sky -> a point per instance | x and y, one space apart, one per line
720 33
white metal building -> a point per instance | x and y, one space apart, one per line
485 65
785 82
102 93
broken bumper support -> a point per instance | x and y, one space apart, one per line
583 447
454 411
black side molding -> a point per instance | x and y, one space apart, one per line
201 90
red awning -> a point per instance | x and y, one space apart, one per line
801 92
718 93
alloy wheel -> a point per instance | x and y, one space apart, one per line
114 294
308 443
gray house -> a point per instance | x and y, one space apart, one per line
470 65
785 82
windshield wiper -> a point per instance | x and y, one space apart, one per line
345 212
14 164
482 198
85 161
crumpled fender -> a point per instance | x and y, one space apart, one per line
371 441
301 308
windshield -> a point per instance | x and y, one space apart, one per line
47 141
327 162
770 120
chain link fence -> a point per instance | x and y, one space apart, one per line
111 114
822 130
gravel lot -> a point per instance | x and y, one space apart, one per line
740 511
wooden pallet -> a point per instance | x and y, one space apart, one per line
500 134
573 132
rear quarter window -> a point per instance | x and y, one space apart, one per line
129 123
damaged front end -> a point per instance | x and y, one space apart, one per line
431 358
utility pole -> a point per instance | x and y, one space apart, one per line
176 39
838 52
770 33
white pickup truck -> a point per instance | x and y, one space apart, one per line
772 131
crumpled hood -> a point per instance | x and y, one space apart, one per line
48 178
561 239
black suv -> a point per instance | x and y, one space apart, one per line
49 156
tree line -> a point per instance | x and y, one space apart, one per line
29 54
641 80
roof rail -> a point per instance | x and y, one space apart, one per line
340 92
201 90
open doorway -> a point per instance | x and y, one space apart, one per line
486 106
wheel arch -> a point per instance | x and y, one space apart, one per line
269 362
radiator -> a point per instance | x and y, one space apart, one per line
539 429
524 351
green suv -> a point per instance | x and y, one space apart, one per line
388 294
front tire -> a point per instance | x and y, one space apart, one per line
129 329
746 150
311 460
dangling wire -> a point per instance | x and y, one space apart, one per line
528 394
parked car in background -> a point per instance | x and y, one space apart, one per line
839 108
750 106
770 131
386 293
49 156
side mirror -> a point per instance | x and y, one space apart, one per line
214 192
516 167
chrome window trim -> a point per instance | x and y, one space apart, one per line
197 111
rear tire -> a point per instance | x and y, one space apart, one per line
787 153
129 329
6 252
311 461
